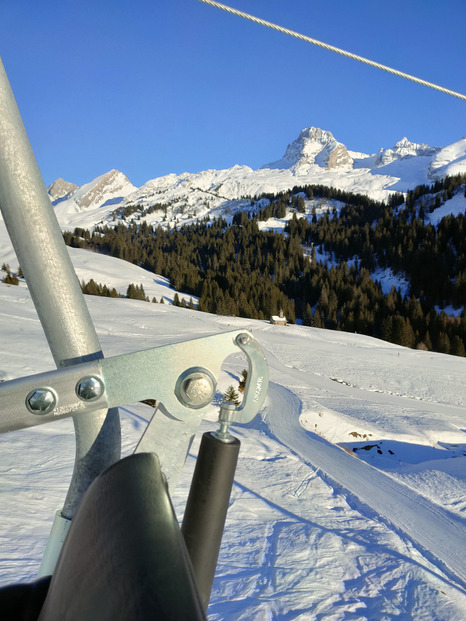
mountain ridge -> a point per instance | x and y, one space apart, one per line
316 157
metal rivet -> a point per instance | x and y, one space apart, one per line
90 388
195 388
41 401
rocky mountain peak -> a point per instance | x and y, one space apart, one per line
60 188
107 187
403 148
314 146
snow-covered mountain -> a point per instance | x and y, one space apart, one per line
315 157
314 147
403 148
107 189
77 205
61 189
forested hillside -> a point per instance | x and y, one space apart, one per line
238 269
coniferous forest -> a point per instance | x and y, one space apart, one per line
238 269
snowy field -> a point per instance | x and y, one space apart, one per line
350 494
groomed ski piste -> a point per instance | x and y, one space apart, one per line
350 493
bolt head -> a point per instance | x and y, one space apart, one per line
196 389
89 388
41 401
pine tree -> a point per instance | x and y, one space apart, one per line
300 204
427 341
442 343
231 396
307 319
136 292
91 288
457 347
387 331
11 279
316 320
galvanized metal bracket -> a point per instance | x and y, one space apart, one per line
182 376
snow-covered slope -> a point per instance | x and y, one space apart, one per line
315 157
450 160
349 497
103 269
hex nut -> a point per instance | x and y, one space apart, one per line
41 401
90 388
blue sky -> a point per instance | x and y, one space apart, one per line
155 87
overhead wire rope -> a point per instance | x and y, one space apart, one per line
332 48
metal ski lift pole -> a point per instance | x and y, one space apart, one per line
57 296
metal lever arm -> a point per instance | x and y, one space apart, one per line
182 376
170 374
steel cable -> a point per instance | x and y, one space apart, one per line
332 48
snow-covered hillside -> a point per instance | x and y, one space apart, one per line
315 157
110 271
349 500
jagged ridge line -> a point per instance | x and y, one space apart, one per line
332 48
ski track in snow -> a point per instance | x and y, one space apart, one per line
284 536
436 530
393 568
